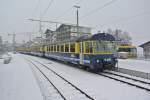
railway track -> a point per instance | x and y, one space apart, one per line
145 85
64 88
138 79
132 81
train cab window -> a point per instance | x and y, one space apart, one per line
72 47
66 47
88 47
62 48
54 48
98 47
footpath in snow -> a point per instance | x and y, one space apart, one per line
137 65
17 81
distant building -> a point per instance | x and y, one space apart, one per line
38 40
146 49
50 36
1 45
7 47
66 32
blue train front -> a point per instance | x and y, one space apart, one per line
98 52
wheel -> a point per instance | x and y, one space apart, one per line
82 67
88 69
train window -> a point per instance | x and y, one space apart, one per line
54 48
66 47
51 48
62 48
88 47
57 48
72 47
45 48
99 47
48 48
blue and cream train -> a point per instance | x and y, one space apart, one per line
96 52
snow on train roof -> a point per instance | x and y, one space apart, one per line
98 36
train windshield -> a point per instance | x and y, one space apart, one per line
133 50
104 47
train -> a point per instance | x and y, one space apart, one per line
93 53
127 51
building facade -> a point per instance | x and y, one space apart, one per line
67 32
1 45
50 36
146 49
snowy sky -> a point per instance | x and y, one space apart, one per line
132 16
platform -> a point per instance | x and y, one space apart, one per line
139 68
17 81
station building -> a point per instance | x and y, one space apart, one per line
146 49
66 32
50 36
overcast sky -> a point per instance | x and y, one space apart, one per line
132 16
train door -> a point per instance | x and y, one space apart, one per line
81 55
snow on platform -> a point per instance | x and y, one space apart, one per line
137 65
17 81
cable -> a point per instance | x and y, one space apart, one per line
79 2
50 3
99 8
65 12
69 9
37 5
129 17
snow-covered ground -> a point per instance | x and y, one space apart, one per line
133 64
99 87
17 81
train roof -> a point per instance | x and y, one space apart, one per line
98 36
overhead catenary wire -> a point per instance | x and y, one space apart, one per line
45 11
127 18
36 7
98 8
69 9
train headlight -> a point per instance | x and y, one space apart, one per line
97 61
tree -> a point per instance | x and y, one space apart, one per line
122 37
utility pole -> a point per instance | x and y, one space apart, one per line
77 7
40 28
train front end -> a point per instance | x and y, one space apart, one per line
100 51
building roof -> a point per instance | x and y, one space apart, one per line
144 44
73 25
48 31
